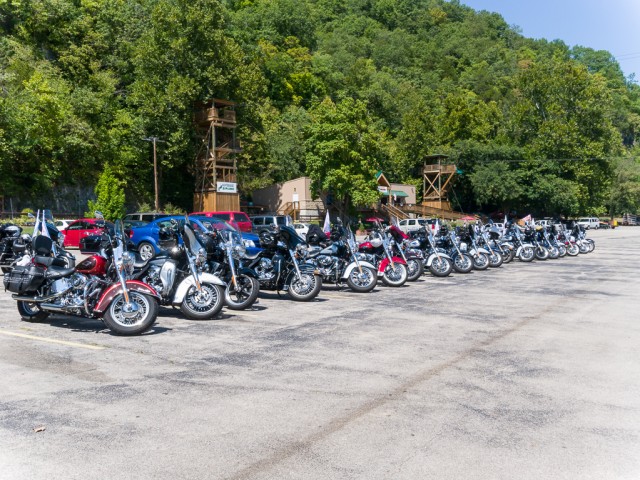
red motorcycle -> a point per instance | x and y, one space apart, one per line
379 251
95 288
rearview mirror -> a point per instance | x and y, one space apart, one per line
98 214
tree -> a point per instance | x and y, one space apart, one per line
343 153
110 199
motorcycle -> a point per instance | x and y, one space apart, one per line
378 250
530 236
447 240
282 264
585 245
178 277
9 233
545 241
412 256
498 243
96 288
435 258
338 260
468 244
496 255
225 256
524 250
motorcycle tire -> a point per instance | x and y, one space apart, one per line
592 246
541 253
364 282
395 277
583 248
243 297
415 269
573 250
553 253
481 261
31 312
562 251
205 307
495 259
305 289
463 263
527 254
508 255
441 267
145 319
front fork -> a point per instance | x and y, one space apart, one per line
295 264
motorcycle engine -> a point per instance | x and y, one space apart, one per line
326 264
152 278
265 269
70 291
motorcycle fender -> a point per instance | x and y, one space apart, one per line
352 265
524 245
189 281
383 264
484 250
433 256
116 289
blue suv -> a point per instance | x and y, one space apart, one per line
146 238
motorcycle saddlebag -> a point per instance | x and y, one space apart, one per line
24 279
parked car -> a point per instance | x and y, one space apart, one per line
149 241
63 224
301 229
143 216
82 228
234 218
605 225
412 224
589 222
264 222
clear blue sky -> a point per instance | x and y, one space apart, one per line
612 25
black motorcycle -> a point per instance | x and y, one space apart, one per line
9 233
281 265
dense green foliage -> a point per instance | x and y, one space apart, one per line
333 89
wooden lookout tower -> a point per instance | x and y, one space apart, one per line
437 180
216 167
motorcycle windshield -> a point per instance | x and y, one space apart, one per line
190 240
119 246
289 235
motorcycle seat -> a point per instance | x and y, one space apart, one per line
53 272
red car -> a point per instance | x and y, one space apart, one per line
239 219
82 228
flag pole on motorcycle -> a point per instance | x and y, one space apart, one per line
45 230
36 227
326 228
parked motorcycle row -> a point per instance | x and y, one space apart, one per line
206 271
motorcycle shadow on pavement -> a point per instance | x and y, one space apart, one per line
272 295
88 325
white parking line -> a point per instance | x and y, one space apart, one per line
51 340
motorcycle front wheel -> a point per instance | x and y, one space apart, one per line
583 247
441 267
415 269
592 245
362 282
542 253
204 304
121 323
495 259
553 253
463 263
562 250
508 255
306 288
573 250
527 254
481 261
244 295
395 276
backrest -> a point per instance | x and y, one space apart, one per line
42 245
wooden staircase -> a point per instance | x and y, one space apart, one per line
393 211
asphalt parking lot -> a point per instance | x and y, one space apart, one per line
529 371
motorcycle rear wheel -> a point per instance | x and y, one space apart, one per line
395 276
202 305
441 267
245 295
415 269
364 282
305 289
31 312
143 321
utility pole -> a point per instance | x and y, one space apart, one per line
155 140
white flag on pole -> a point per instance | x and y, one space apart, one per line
45 230
436 227
36 227
327 224
504 225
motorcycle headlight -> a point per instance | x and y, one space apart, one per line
302 251
248 243
239 251
463 246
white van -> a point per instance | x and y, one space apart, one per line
589 222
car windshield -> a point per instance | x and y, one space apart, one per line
215 224
221 216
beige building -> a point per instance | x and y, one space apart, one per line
291 198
